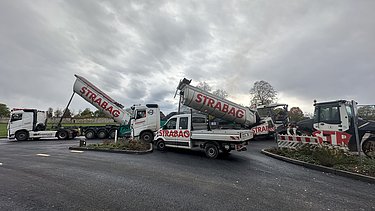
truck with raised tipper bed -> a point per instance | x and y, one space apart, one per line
190 131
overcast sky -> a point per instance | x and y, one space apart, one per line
137 51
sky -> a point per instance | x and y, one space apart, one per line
137 51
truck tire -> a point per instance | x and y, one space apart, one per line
62 135
211 150
102 134
89 134
112 134
147 136
160 145
368 147
22 135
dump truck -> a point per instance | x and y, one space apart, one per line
139 120
181 130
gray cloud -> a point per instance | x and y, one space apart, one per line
137 51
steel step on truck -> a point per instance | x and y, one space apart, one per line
25 124
189 131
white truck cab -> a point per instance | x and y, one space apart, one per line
27 124
189 131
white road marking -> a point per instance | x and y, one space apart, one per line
1 164
76 151
43 155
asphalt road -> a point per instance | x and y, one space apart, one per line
45 175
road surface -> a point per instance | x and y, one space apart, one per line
45 175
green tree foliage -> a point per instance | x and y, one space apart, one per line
67 113
58 113
367 112
100 113
4 110
87 113
262 93
49 112
296 114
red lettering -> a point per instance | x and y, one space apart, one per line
109 109
175 133
328 135
98 101
93 96
225 108
343 137
218 106
205 98
232 111
166 133
210 102
104 105
239 113
199 98
186 133
83 90
180 134
116 113
88 93
317 134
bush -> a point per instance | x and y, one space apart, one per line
122 144
330 157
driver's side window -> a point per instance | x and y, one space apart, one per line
16 117
171 124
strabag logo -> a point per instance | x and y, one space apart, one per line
175 133
218 105
91 96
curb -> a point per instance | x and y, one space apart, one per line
352 175
114 150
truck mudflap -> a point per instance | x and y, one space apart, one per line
240 147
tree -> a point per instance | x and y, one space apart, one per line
296 114
58 112
367 112
4 110
87 113
205 86
99 113
78 114
49 112
262 93
67 113
221 93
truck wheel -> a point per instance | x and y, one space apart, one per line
211 150
147 136
22 135
368 147
102 134
89 134
62 135
112 134
160 145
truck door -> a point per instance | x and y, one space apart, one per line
183 132
20 120
168 132
139 123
